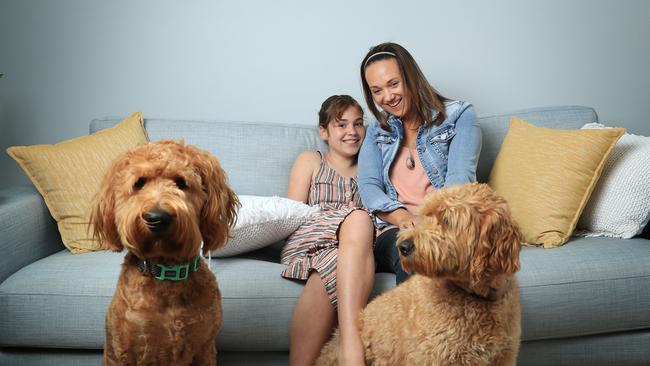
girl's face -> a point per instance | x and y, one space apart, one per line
345 135
387 87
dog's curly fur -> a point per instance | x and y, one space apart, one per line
153 322
461 307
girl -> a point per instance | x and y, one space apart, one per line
420 141
332 251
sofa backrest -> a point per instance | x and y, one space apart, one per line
258 156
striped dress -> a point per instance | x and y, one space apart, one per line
314 245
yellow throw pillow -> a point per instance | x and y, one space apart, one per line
547 176
68 175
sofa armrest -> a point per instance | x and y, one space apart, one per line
27 230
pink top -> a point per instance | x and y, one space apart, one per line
412 185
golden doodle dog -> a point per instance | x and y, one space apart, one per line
461 306
160 201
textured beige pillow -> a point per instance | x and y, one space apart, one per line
68 175
547 176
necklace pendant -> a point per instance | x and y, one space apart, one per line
410 163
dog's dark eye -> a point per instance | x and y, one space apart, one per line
180 183
445 221
139 183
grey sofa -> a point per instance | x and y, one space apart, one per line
586 303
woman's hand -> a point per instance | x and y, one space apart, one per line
408 222
400 218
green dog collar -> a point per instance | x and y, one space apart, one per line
162 272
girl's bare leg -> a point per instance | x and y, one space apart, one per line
355 274
311 324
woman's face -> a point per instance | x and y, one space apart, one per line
387 87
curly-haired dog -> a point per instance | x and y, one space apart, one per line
160 201
461 307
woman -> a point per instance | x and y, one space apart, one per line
419 142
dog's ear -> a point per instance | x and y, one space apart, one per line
102 214
499 243
507 239
219 212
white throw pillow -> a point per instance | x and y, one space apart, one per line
262 221
620 204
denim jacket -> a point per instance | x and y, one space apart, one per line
449 154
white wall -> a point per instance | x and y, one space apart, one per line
68 61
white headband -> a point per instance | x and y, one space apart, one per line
377 54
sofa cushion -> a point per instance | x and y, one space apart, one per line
262 221
60 301
547 176
494 128
620 204
590 286
69 173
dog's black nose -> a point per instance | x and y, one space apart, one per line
157 219
406 247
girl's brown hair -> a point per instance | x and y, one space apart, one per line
333 108
424 97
